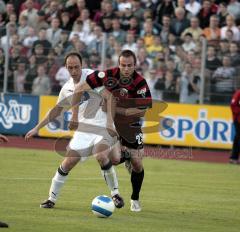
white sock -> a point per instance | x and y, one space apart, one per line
57 183
110 177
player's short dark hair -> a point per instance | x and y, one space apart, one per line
127 53
73 54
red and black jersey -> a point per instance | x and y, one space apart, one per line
129 93
235 106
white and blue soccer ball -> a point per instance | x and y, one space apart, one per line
103 206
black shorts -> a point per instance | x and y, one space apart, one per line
136 143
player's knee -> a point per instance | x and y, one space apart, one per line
137 165
115 160
102 158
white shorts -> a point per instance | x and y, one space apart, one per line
83 143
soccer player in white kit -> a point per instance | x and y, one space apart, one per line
85 140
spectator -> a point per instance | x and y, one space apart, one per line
117 32
151 79
2 7
107 25
142 58
2 25
13 18
223 82
53 33
222 14
188 86
193 7
31 13
205 13
41 22
12 31
52 68
116 52
41 84
23 28
189 43
9 10
155 47
107 13
230 21
96 44
138 11
224 48
233 8
172 67
20 77
134 26
234 54
229 35
165 7
213 32
64 43
130 43
31 74
39 54
165 29
127 14
65 24
30 39
212 62
194 29
86 21
180 23
42 39
52 11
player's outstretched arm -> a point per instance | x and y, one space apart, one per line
3 138
77 94
111 110
130 111
53 113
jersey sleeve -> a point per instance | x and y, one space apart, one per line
63 101
143 97
96 79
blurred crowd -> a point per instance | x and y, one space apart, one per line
167 37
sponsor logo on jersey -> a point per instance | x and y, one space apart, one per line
142 92
101 75
123 92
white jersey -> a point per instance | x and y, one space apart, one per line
90 110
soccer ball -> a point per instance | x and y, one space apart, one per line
102 206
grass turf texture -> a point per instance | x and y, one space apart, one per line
176 196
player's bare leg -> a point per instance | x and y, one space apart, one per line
71 159
115 153
102 153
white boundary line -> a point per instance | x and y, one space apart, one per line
46 178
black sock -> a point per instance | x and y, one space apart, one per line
61 171
136 179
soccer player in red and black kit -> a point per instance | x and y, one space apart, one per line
235 107
133 97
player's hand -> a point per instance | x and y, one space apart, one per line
112 130
31 133
73 124
3 138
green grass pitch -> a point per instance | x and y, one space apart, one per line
177 196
